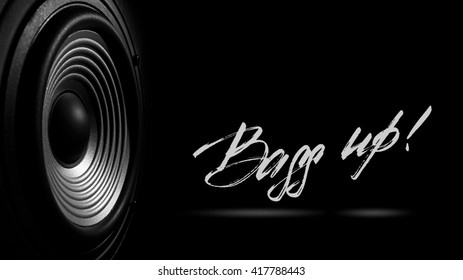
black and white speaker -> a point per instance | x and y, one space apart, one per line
72 132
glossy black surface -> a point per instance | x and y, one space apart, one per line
69 128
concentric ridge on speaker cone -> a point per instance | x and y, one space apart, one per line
87 192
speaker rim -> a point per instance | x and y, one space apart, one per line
9 129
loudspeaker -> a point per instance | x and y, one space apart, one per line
72 127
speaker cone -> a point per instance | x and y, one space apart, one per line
72 122
88 174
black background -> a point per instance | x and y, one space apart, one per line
306 76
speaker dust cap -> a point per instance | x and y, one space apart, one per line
68 129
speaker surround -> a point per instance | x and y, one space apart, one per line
72 79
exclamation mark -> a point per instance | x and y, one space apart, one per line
418 124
